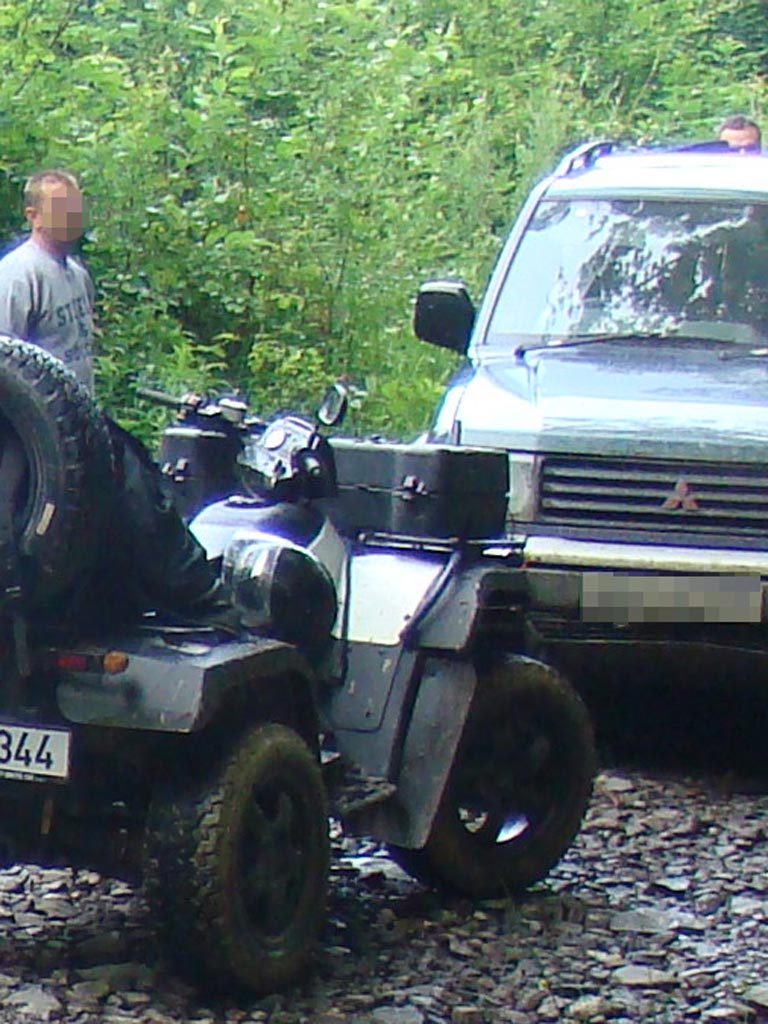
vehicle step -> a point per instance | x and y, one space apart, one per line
357 790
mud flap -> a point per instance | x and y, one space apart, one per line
442 704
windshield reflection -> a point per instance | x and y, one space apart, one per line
638 267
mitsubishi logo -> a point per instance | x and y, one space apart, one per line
681 497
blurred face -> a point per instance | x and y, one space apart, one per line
744 139
57 220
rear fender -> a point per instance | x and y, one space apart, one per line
180 687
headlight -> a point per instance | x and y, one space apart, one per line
521 503
280 589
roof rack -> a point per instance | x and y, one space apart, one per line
583 156
709 146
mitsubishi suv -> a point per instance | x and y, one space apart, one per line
620 356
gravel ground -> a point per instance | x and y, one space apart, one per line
656 914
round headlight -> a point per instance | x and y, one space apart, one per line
280 589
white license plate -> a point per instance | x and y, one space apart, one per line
31 752
620 597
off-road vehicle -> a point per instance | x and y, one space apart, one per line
150 728
138 734
620 356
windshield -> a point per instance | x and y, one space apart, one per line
638 267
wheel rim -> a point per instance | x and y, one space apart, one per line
273 860
505 789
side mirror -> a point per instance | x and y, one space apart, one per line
444 315
333 407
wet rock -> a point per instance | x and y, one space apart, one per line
756 996
467 1015
52 906
656 913
135 999
682 921
587 1008
508 1015
640 976
550 1009
29 921
33 1002
532 999
87 993
750 905
646 922
699 977
738 1014
13 880
116 976
359 1000
397 1015
459 948
614 784
672 883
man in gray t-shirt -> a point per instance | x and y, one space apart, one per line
46 294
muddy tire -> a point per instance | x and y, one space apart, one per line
236 864
55 470
518 789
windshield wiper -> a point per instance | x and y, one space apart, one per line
588 339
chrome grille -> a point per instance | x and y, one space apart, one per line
631 493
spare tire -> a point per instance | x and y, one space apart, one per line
55 473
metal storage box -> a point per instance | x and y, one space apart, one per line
201 465
419 490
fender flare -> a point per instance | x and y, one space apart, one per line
440 712
451 622
446 690
169 689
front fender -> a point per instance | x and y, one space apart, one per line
431 745
442 703
174 685
451 622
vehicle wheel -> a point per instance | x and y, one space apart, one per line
55 468
518 789
236 864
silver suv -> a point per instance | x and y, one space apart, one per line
620 355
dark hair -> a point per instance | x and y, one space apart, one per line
740 123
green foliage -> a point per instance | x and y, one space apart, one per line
271 180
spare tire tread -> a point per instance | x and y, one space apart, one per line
68 454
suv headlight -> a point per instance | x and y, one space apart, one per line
521 502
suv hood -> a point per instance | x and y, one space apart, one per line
629 398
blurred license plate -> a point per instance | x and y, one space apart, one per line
30 752
627 597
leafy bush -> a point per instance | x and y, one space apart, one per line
271 181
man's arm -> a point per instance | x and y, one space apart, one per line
17 304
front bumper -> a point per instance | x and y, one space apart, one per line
625 584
